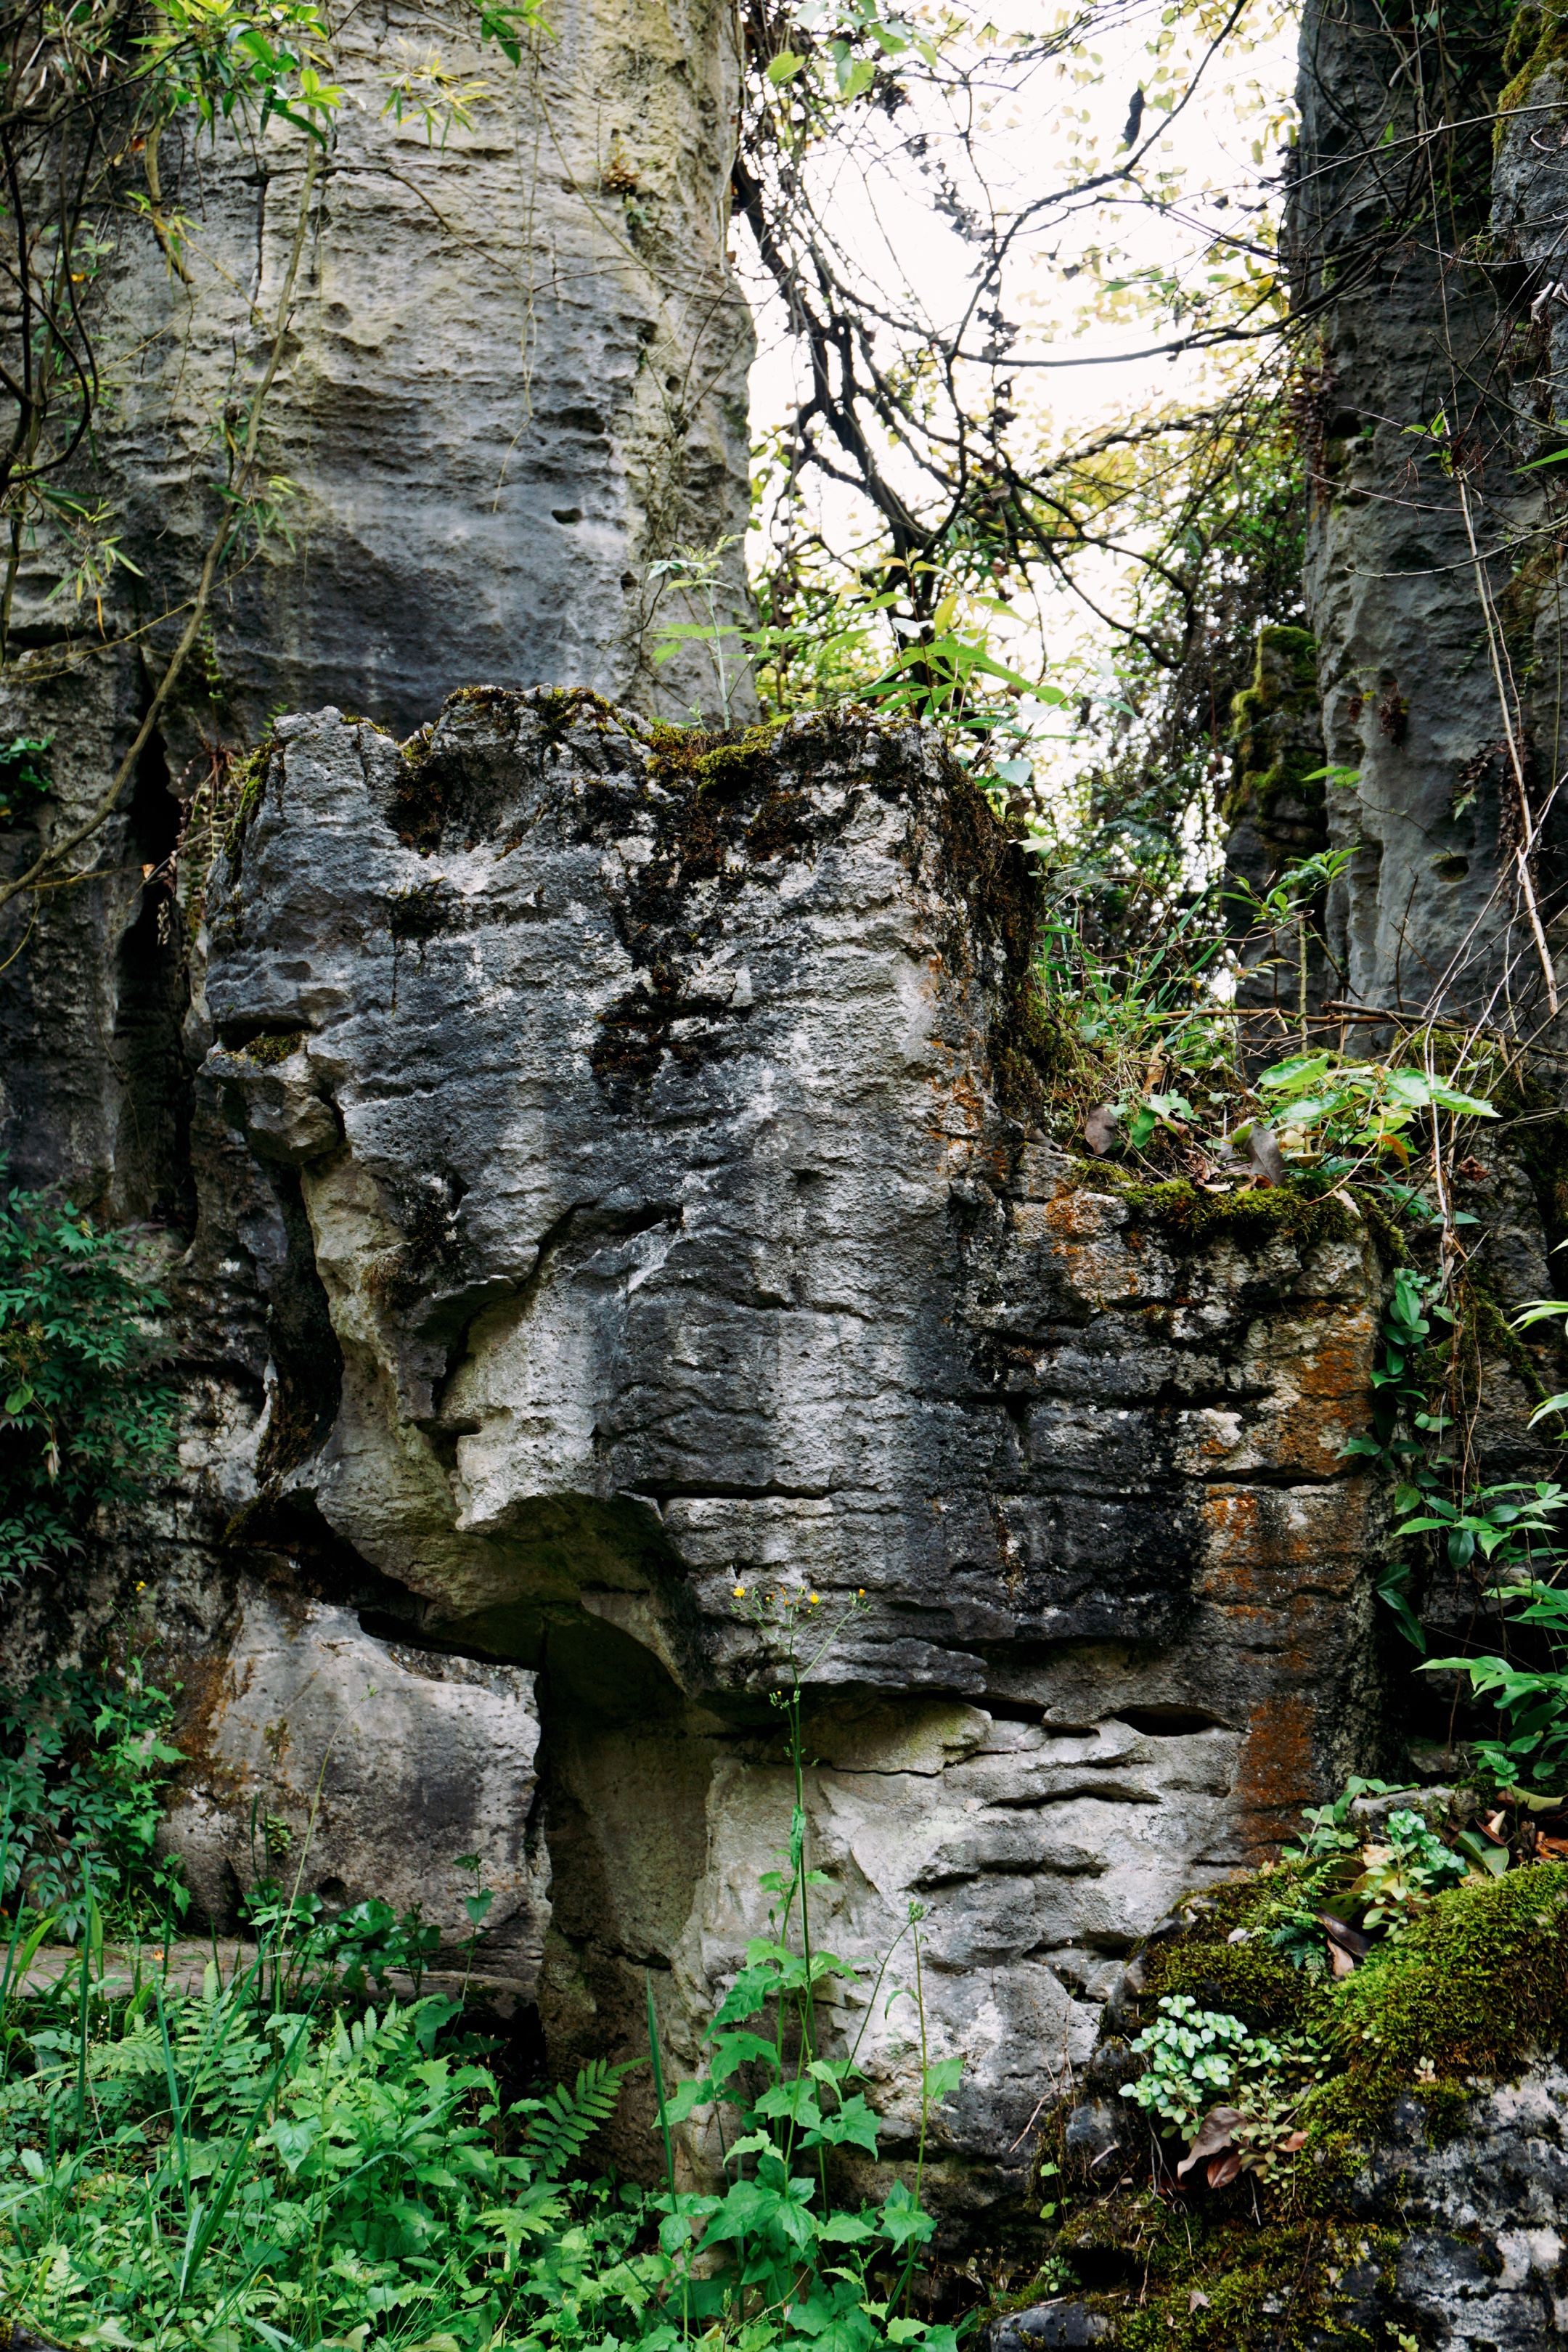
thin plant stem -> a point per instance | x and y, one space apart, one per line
218 548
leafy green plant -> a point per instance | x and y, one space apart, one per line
1287 906
366 1940
1194 2056
697 572
1326 1832
776 2254
1531 1750
1403 1875
1348 1115
236 2173
83 1758
86 1418
23 779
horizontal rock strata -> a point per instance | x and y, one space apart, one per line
622 1181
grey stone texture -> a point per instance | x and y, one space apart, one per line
1433 383
1486 2261
514 377
622 1183
353 1769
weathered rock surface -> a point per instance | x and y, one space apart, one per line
515 376
1486 2261
1454 2244
1434 381
358 1769
619 1185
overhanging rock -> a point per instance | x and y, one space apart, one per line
630 1162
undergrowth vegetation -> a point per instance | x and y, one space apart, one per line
86 1413
310 2150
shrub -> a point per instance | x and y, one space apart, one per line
83 1755
85 1419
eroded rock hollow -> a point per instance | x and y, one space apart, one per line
622 1200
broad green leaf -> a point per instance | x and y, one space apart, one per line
942 2079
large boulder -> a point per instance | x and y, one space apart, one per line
622 1181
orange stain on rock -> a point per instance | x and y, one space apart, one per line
1263 1543
1275 1777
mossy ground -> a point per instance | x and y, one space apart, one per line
1466 1997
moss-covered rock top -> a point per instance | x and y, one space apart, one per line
1397 2081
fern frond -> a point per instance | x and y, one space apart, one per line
567 2119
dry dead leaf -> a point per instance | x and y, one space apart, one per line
1265 1153
1223 2170
1100 1130
1347 1939
1214 2134
1197 2301
1342 1962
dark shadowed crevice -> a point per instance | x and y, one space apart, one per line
307 1360
152 990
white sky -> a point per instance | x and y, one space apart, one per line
882 211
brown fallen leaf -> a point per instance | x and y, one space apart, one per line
1100 1130
1198 2301
1348 1939
1342 1962
1296 2140
1214 2134
1265 1153
1223 2170
1555 1847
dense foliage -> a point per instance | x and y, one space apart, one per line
86 1413
83 1759
272 2160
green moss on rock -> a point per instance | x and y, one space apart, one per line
275 1047
1538 38
1255 1216
1472 1991
1467 1993
1276 729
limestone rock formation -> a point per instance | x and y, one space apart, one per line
620 1185
514 376
361 1769
1432 584
1487 2211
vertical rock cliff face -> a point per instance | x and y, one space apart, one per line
620 1184
1434 586
514 376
